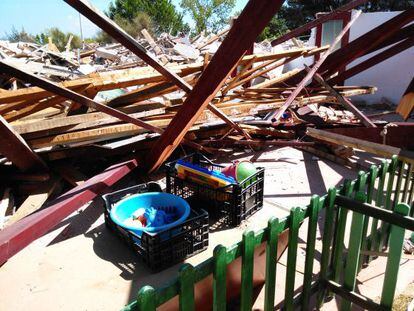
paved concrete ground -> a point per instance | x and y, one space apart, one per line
81 266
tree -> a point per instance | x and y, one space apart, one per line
209 15
274 29
19 36
162 13
298 12
59 38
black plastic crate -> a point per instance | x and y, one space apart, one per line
162 249
228 205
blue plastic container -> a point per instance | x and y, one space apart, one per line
158 200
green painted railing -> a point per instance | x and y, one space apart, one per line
384 194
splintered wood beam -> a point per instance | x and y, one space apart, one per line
107 25
364 43
375 60
25 231
378 149
276 116
323 18
14 148
406 105
81 99
251 22
130 43
343 100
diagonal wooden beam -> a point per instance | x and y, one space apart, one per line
106 24
22 233
326 17
15 148
251 22
365 43
81 99
406 105
343 100
276 116
374 60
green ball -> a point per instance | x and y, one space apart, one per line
245 170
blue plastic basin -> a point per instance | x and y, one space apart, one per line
159 200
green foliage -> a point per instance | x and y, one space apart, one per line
276 28
298 12
208 15
16 36
162 14
59 38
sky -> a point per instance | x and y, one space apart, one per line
36 16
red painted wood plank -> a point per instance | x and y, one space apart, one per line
376 59
323 18
251 22
364 43
19 235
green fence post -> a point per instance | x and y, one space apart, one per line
351 267
295 219
186 295
400 167
407 183
375 232
219 278
274 228
394 257
340 234
310 251
146 299
326 242
366 241
390 186
247 271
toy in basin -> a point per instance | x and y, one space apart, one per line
151 212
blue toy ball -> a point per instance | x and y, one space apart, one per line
162 211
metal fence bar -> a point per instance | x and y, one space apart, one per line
146 299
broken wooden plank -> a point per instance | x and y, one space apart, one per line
14 148
276 116
242 34
81 99
33 202
378 149
406 105
343 100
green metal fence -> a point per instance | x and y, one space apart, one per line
381 202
